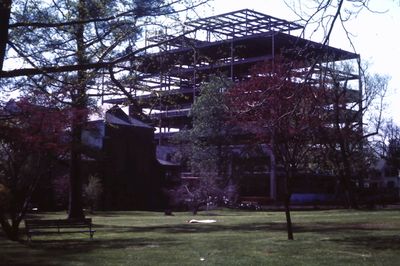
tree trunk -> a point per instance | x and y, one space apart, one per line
288 217
79 101
346 178
345 159
75 207
11 230
5 11
11 216
350 199
288 194
195 209
272 176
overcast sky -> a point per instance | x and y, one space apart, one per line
376 37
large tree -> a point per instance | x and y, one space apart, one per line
279 111
65 48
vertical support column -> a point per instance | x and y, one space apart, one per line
232 53
232 59
247 24
194 74
160 124
269 150
360 101
360 93
160 120
360 179
273 51
272 181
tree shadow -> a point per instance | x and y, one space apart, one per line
74 246
54 251
391 242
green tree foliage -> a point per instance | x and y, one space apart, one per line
210 134
205 146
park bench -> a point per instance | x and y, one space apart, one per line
58 226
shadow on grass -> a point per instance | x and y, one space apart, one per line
244 227
372 242
73 246
56 251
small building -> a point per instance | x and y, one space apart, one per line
383 182
124 150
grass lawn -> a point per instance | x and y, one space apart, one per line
337 237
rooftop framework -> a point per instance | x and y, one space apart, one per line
242 23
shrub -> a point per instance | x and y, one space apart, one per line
92 191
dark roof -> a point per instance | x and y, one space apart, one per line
117 116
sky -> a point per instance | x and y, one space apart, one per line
376 37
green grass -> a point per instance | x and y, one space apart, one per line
337 237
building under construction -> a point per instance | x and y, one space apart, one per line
229 45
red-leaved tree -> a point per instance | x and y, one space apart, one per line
31 137
277 108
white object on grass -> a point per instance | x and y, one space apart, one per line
193 221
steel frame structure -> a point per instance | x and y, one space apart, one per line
229 44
